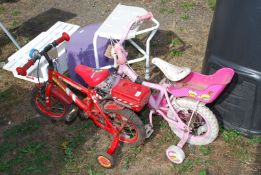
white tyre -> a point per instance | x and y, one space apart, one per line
204 125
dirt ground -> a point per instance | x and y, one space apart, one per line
25 136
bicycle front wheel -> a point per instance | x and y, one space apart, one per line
204 125
57 111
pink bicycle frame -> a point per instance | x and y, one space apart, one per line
157 103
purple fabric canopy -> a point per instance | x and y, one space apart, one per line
79 50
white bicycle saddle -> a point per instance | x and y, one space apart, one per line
172 72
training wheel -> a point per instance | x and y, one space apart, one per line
105 160
175 154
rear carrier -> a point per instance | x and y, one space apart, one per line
131 95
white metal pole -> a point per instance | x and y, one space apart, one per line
9 35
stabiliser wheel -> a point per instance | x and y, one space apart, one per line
175 154
105 160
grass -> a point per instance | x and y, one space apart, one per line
32 155
241 153
185 167
205 150
24 128
6 147
187 6
14 24
176 53
6 94
238 145
174 45
202 172
31 158
175 42
2 9
230 135
184 17
166 1
211 4
167 10
15 13
255 140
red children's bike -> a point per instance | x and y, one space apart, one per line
55 100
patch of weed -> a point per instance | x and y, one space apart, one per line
185 167
203 162
6 94
29 159
14 24
205 150
241 153
176 53
6 148
80 127
187 6
212 4
2 9
167 134
71 144
163 124
26 39
92 171
174 42
24 128
126 164
15 13
230 135
154 44
255 140
184 17
166 1
167 10
136 150
202 172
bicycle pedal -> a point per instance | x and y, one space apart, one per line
149 130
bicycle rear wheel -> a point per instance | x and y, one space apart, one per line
129 125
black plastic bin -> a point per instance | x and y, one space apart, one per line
235 41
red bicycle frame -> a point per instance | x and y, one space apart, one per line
56 86
89 104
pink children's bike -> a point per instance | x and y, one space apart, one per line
180 100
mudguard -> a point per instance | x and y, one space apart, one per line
113 106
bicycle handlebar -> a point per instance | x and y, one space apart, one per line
64 37
22 70
35 54
119 50
148 16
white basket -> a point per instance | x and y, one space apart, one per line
20 57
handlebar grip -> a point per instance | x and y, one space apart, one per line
64 37
148 16
22 70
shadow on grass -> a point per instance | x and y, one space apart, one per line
38 147
165 44
35 145
34 26
8 1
